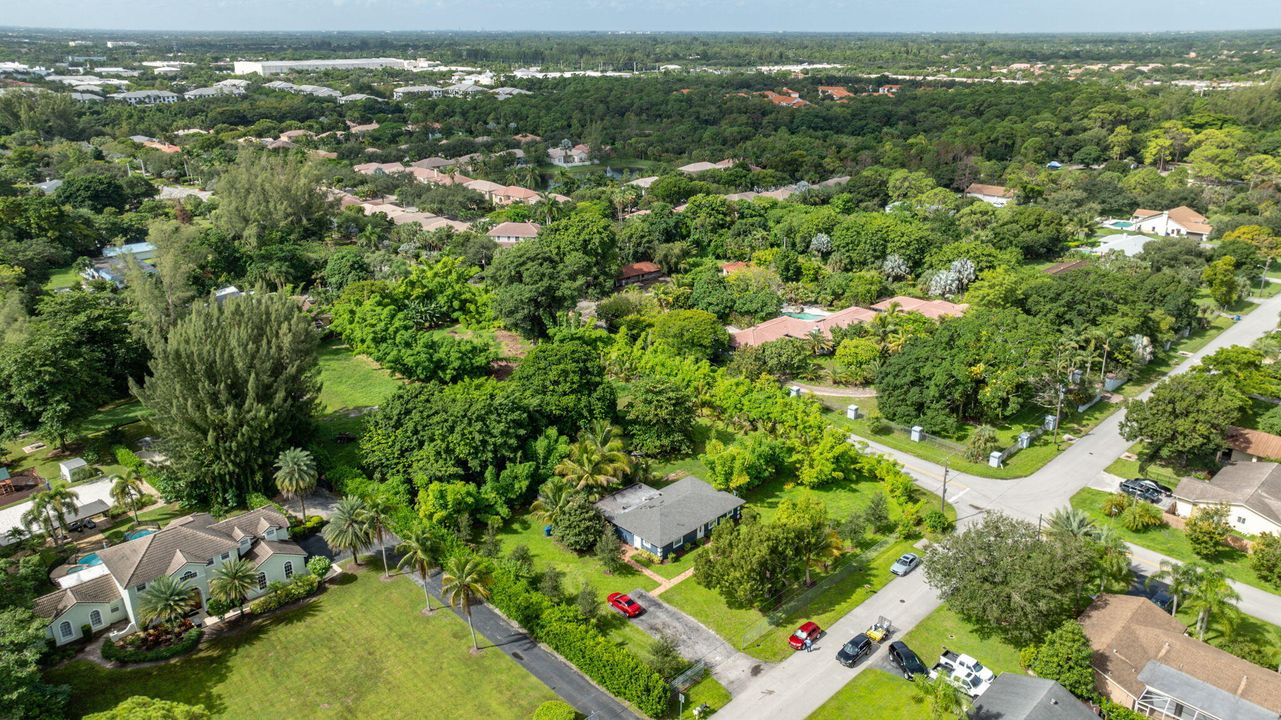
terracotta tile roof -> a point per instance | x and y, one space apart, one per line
515 192
932 309
735 266
484 186
515 229
835 91
1255 485
843 318
1190 219
989 190
771 330
1254 442
638 269
101 589
1143 213
1131 636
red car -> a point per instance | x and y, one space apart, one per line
809 631
625 605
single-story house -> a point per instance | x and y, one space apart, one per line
663 521
1144 660
1181 221
1251 490
638 273
932 309
139 250
702 167
995 195
643 182
578 155
1249 445
106 588
510 233
734 266
1023 697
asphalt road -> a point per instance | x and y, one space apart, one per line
797 686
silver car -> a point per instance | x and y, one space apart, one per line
906 563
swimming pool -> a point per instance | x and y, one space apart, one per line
135 534
90 559
805 316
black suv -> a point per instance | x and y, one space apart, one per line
1155 487
1141 490
859 647
906 660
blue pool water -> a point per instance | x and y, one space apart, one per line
805 316
90 559
135 534
1122 224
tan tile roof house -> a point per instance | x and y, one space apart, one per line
1179 221
106 587
1144 660
932 309
997 195
1255 443
1251 490
510 233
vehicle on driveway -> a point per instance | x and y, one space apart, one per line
859 647
880 630
625 605
82 525
808 631
958 661
905 564
1140 490
963 680
907 661
1156 487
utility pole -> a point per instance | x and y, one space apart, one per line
1264 280
943 495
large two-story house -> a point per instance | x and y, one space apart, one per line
105 588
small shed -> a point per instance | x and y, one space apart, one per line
71 469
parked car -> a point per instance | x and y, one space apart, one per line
859 647
1141 491
1155 486
963 680
907 661
82 525
959 661
625 605
905 564
808 631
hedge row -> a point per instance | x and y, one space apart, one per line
616 669
281 595
185 644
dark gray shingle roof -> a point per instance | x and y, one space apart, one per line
664 516
1022 697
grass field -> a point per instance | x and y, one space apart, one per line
362 649
1170 542
878 695
351 381
691 465
62 278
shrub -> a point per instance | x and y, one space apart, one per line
305 528
555 710
617 670
1265 558
580 525
296 589
184 644
1112 711
937 523
982 443
216 606
127 457
1064 656
86 631
255 500
1141 515
1116 504
319 566
1207 529
901 488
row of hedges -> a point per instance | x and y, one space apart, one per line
305 528
284 593
616 669
183 645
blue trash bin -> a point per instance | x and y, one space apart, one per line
547 531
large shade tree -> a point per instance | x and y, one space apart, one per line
231 386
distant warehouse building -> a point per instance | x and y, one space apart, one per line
273 67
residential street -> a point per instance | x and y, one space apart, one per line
800 684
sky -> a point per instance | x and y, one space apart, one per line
1009 16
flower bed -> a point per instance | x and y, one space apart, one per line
153 644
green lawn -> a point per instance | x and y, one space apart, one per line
1170 542
691 465
734 625
1021 464
350 381
1256 632
546 552
707 690
878 695
360 650
63 278
159 515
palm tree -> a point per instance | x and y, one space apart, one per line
1070 522
232 583
941 695
1180 577
348 527
50 508
420 552
1212 595
1113 559
590 466
466 579
127 491
165 601
296 475
553 497
886 331
818 549
377 514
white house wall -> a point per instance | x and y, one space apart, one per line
1240 518
79 615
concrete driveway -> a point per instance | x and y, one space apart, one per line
731 668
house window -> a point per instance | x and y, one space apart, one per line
189 575
226 555
65 629
289 570
262 581
140 587
115 609
95 618
209 561
1240 520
